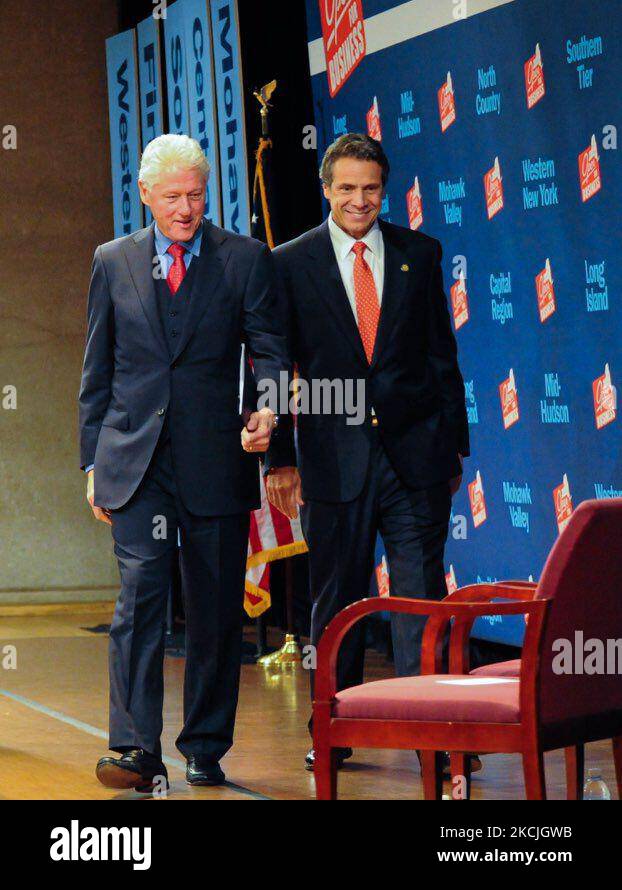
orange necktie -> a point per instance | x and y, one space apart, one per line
366 296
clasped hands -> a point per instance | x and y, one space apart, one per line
283 486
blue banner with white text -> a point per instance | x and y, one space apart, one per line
124 117
201 96
231 126
150 84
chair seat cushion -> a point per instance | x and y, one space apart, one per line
442 697
500 669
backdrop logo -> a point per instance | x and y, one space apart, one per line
373 121
509 401
415 205
477 500
589 171
460 302
578 52
545 291
501 286
534 78
606 491
544 194
470 401
487 80
563 504
605 399
597 292
450 194
517 497
450 580
551 410
407 123
447 103
343 30
340 125
493 187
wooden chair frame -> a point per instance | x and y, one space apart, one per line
459 610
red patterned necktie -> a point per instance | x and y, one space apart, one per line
366 297
178 269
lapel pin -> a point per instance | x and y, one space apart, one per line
405 267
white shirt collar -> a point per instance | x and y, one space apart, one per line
342 242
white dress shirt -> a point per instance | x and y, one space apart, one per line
373 256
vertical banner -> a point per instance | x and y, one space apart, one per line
123 113
202 96
150 82
175 55
231 126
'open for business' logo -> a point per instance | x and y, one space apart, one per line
343 30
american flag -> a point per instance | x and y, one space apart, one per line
272 536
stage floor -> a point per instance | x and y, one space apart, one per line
53 717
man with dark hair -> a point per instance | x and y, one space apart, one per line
366 302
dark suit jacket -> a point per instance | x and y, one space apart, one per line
130 381
413 383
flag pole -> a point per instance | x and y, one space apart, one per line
289 653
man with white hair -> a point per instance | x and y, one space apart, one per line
167 452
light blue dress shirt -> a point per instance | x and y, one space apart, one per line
162 244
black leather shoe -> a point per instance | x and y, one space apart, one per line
342 754
202 770
136 769
476 764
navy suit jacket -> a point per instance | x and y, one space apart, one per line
131 382
413 382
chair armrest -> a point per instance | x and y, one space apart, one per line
461 630
473 593
331 639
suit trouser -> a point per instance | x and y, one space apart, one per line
213 561
341 540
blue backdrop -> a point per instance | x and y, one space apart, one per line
523 189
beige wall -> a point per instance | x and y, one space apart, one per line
55 207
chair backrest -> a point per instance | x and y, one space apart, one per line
583 575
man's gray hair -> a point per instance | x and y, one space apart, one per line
169 153
354 145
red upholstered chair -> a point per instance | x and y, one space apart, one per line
537 711
574 756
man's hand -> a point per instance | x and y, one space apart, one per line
98 512
256 434
284 490
456 482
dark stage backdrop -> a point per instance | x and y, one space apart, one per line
500 129
273 46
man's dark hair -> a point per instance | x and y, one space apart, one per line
354 145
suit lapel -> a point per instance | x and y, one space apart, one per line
211 264
139 254
330 287
393 294
394 290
